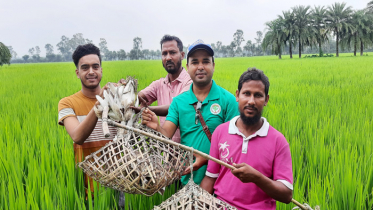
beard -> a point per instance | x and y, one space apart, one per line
90 86
173 70
250 120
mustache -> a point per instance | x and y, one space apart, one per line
169 62
200 72
251 107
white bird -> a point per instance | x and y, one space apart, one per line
119 99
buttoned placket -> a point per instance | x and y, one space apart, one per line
245 141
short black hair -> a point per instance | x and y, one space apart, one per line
213 60
83 50
167 38
254 74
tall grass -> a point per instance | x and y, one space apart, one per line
323 107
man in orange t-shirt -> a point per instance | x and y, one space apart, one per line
76 112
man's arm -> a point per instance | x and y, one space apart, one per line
151 120
208 184
274 189
158 110
79 132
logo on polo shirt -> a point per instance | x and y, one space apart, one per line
215 109
224 149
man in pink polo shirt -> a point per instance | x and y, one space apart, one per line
264 173
176 81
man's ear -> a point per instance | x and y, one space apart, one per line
182 54
237 94
77 73
267 99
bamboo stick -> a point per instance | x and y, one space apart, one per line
206 156
299 204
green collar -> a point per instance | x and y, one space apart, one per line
213 94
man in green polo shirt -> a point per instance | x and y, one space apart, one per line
216 104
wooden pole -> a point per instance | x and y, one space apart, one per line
190 149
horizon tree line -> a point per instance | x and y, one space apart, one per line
302 28
312 27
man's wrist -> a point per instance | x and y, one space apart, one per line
259 179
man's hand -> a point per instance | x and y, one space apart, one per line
200 161
274 189
149 119
121 82
246 173
143 104
101 94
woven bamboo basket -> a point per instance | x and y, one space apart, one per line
136 164
192 196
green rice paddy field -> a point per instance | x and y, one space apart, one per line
323 106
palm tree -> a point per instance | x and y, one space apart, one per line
358 36
5 55
288 20
301 26
337 19
370 6
319 29
247 47
275 37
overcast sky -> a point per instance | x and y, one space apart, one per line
25 24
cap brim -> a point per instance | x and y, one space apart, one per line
201 47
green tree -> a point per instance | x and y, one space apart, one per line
337 19
288 20
301 27
65 48
25 58
12 52
137 45
247 48
275 37
237 39
370 6
232 49
146 54
319 29
258 39
103 47
5 55
31 51
224 50
49 49
359 34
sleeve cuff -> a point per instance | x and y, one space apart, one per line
63 113
212 175
171 119
286 183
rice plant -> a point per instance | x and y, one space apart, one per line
323 107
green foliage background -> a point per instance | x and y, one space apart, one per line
323 106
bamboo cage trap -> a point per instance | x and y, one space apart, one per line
136 164
192 196
132 162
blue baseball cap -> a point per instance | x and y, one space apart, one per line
200 45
